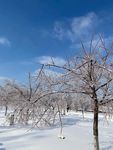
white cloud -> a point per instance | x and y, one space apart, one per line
4 41
48 72
48 60
82 26
76 28
83 23
4 79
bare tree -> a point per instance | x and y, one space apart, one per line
89 75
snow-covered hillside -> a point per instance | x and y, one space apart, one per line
78 133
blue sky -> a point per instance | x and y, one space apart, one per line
33 31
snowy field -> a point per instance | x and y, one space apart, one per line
78 133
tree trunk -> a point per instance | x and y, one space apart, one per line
83 113
27 117
95 126
12 120
6 108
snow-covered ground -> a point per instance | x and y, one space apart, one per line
78 133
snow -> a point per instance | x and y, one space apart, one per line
77 132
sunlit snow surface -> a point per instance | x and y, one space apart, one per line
77 132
